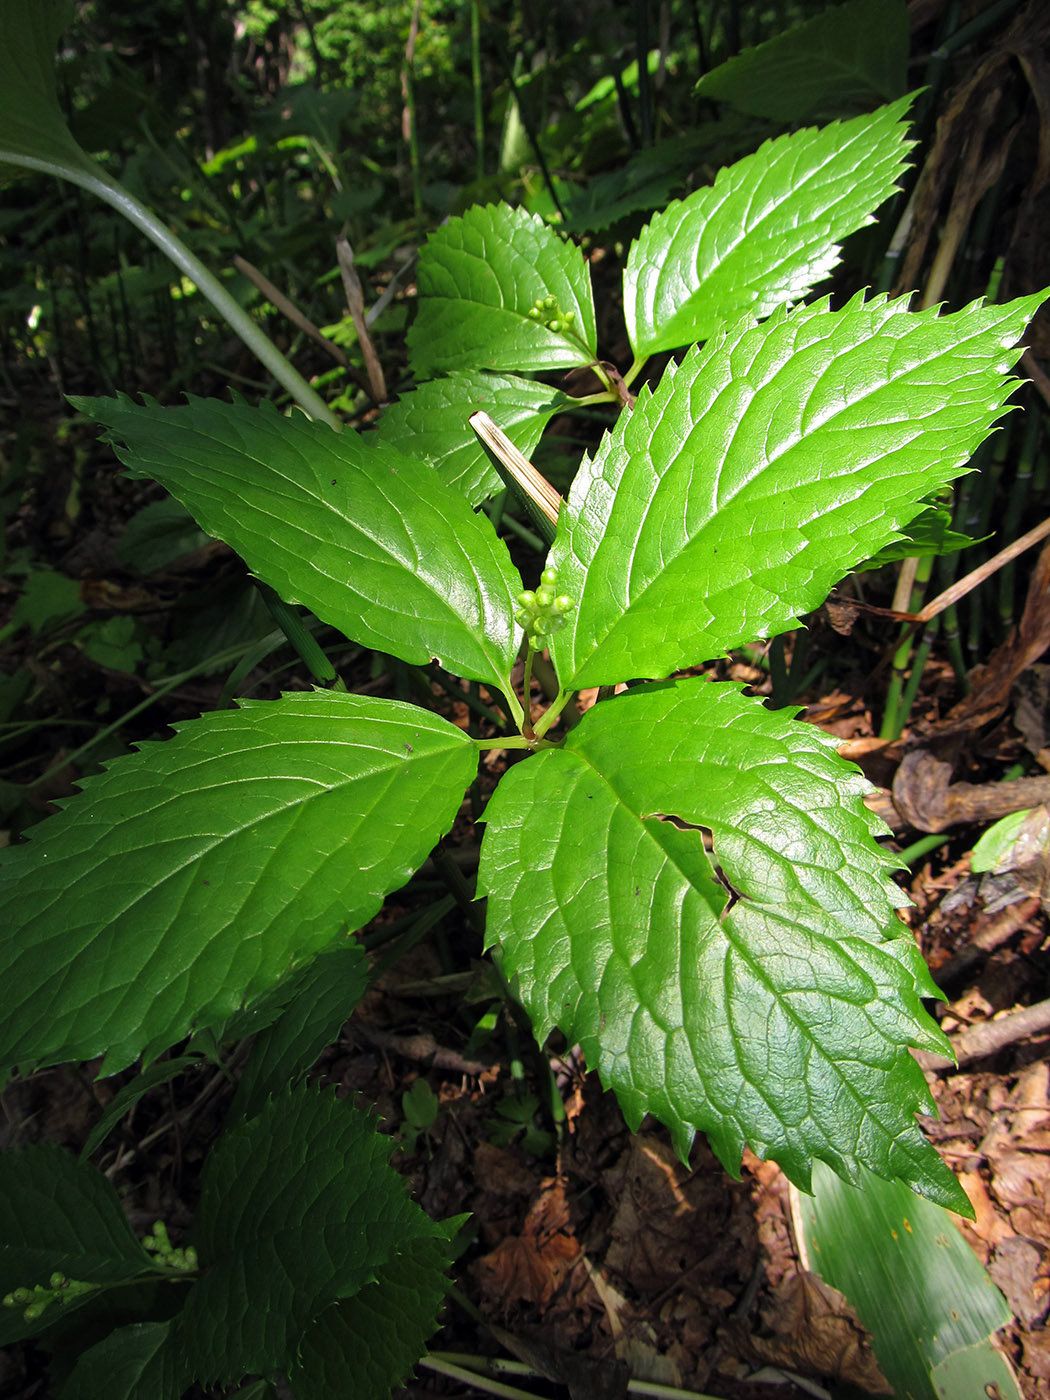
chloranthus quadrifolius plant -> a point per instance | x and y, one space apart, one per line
758 986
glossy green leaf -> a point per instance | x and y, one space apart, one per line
194 875
328 990
762 469
137 1362
929 533
479 276
779 1017
299 1208
765 233
431 423
32 127
846 56
914 1282
369 539
378 1335
57 1213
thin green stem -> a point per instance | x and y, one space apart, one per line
514 743
920 848
99 183
551 713
636 368
479 1382
475 75
303 641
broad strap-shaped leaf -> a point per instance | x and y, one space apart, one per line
32 127
431 423
844 56
369 539
479 276
779 1018
137 1362
59 1214
299 1208
196 874
761 470
914 1280
329 989
765 233
378 1335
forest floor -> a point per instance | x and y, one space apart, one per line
592 1253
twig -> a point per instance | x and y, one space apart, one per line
355 301
289 309
976 1042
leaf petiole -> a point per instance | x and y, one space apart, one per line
551 713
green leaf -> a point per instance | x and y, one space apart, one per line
369 539
846 56
763 468
299 1208
780 1018
431 423
138 1362
329 989
125 1099
57 1213
929 533
766 232
32 126
478 278
196 874
915 1284
378 1335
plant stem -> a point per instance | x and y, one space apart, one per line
551 713
475 74
99 183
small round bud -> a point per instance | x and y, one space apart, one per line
550 303
527 598
190 1254
541 626
563 603
34 1311
533 314
544 597
20 1296
549 577
569 319
57 1280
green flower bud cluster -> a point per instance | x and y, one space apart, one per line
547 310
543 612
35 1301
182 1261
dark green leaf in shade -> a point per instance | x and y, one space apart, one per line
299 1208
138 1362
59 1214
479 275
378 1335
330 988
431 423
915 1283
191 877
125 1099
32 126
369 539
847 56
762 469
765 233
769 1001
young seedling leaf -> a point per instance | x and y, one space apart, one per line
914 1281
763 468
767 1000
765 233
431 423
299 1208
846 56
137 1362
369 539
33 130
330 988
480 276
378 1335
196 874
59 1214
